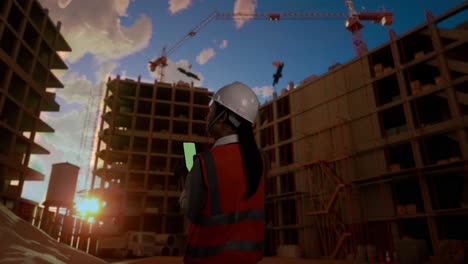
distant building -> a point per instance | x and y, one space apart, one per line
62 185
29 42
59 198
141 139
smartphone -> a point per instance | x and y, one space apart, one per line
189 152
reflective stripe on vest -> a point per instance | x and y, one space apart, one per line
238 245
232 218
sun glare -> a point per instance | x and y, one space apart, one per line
88 206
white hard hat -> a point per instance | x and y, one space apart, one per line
238 98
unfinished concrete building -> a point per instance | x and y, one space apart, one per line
29 42
141 139
371 158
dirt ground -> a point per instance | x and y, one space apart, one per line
270 260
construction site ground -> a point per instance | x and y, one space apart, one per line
268 260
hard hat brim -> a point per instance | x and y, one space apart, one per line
230 108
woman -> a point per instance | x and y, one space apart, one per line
224 192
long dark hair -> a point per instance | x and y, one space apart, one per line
251 156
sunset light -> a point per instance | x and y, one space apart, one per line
88 206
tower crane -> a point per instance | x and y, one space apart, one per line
161 61
353 24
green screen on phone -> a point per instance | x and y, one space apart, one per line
189 152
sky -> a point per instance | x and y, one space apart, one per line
119 37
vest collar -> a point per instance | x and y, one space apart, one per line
234 138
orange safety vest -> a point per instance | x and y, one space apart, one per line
231 229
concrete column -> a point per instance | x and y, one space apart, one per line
451 92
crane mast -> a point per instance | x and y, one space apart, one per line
351 10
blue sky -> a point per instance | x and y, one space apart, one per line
306 46
111 37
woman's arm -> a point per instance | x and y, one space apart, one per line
193 197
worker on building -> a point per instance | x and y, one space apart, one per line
223 195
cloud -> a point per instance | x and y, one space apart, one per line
123 74
94 27
176 6
263 91
105 69
172 75
244 7
223 44
77 89
121 7
205 55
64 3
